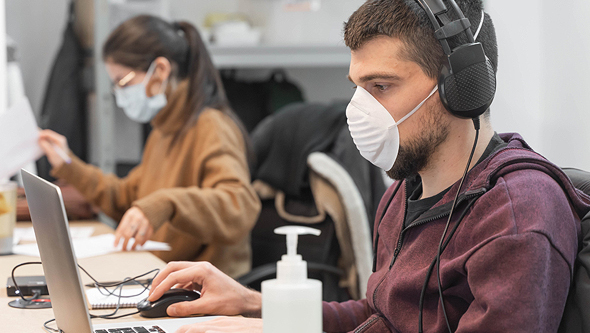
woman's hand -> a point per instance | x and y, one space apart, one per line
220 294
134 224
48 141
230 324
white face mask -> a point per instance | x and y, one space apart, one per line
373 129
136 104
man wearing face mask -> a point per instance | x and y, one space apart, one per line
478 234
192 187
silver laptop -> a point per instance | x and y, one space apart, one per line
68 298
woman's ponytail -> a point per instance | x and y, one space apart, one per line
205 86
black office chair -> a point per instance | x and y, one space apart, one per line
576 317
309 172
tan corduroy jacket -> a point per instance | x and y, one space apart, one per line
194 188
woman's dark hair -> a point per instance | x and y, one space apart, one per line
137 42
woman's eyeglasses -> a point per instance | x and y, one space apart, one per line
124 81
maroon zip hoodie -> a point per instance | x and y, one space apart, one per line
507 267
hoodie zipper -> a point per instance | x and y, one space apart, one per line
362 328
467 195
398 246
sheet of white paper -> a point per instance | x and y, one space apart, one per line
18 138
94 246
28 234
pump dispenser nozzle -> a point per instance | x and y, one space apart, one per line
292 233
291 267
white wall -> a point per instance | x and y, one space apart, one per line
543 76
566 82
37 27
517 105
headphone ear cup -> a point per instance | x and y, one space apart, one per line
467 85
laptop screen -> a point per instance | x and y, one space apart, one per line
57 254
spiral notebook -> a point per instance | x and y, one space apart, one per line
131 296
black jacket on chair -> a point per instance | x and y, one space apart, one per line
64 105
282 143
576 318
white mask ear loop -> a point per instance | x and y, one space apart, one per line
417 107
483 16
150 73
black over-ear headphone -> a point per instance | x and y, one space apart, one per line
466 84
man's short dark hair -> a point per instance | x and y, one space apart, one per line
407 21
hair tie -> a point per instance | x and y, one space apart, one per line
178 28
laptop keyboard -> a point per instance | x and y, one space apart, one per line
153 329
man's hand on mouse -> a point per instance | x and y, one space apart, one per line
229 324
220 294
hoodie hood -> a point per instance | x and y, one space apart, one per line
517 155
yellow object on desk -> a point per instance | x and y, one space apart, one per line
4 208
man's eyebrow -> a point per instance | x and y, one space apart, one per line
381 76
375 76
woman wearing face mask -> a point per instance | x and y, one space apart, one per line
192 187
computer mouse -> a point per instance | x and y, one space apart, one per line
158 308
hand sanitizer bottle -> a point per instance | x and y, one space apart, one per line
292 303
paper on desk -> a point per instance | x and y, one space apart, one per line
18 137
130 297
28 234
94 246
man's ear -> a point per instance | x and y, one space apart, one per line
161 74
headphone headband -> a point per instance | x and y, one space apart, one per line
438 12
467 84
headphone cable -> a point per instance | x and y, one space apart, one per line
441 247
425 284
476 124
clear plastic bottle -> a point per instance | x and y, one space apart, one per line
292 303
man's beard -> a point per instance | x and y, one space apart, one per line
415 154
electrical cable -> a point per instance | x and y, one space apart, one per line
102 287
50 329
36 294
441 247
134 279
439 252
425 284
119 286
